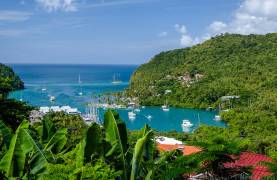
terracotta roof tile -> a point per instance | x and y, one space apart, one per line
187 150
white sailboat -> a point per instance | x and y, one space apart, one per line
80 82
116 79
165 107
92 114
131 115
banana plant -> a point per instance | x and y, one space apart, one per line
6 134
116 136
24 157
144 150
90 146
53 140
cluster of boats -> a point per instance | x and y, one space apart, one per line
66 109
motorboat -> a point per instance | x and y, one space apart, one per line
52 98
131 115
149 117
217 118
165 108
186 124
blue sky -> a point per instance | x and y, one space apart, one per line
121 31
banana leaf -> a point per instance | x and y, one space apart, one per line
116 135
143 144
57 141
6 133
22 144
90 146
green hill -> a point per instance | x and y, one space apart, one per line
226 65
9 81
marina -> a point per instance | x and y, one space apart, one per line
62 94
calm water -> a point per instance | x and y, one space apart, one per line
61 81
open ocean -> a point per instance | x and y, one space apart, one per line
62 81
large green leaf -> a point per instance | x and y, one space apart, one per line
13 162
22 144
90 146
38 161
116 135
57 141
142 150
6 133
48 129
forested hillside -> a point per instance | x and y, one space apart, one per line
8 80
226 65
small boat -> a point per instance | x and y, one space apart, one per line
217 118
131 115
143 107
115 80
186 124
137 110
52 98
165 108
80 82
43 89
149 117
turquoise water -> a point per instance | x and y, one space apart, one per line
61 81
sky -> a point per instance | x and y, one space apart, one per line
121 31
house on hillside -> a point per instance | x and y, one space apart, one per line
169 144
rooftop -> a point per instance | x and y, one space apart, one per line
246 159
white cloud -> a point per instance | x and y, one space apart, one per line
163 34
181 28
54 5
217 26
252 17
186 40
14 15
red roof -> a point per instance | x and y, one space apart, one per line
187 150
254 160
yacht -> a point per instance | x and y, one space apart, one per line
80 82
217 118
165 108
52 98
186 124
115 79
131 115
137 110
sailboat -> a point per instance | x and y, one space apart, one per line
165 107
116 80
80 82
92 114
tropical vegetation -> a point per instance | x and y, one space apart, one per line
231 72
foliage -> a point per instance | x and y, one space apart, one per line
96 171
9 81
13 112
24 156
116 135
225 65
73 123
